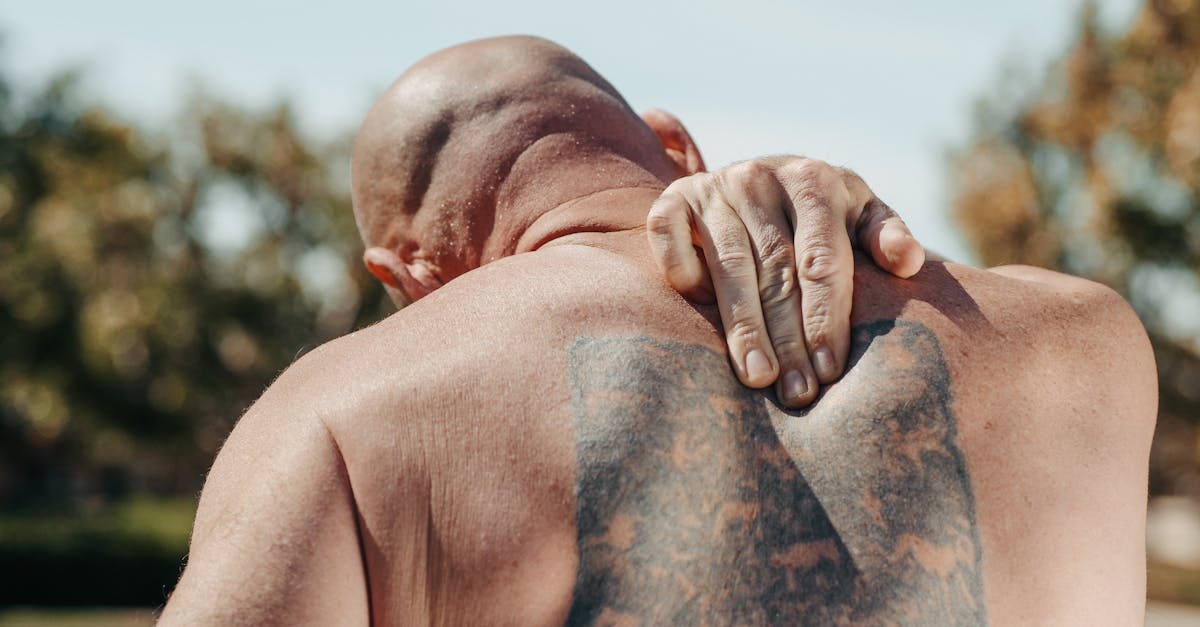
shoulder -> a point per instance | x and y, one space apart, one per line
1053 357
1088 323
1029 340
1056 415
1053 314
500 326
1092 356
277 507
1080 299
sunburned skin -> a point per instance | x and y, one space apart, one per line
698 501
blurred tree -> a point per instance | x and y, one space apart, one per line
1097 172
151 287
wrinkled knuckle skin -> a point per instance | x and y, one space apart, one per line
777 279
773 244
813 183
777 290
733 263
790 349
743 332
817 323
746 171
659 221
817 263
808 172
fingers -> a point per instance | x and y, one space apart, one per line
819 203
760 202
740 220
880 230
891 244
784 290
669 228
734 272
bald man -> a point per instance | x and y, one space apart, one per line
551 434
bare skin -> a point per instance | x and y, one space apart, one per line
556 436
770 240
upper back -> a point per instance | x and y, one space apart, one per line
558 435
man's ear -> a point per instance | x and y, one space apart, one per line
413 276
679 145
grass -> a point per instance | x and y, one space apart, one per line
129 554
89 617
145 523
124 554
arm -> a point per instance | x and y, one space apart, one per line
1095 405
275 539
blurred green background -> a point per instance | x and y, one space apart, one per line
153 282
135 331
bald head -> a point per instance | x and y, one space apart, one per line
461 147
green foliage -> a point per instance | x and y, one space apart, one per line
151 287
1097 172
90 617
128 553
153 526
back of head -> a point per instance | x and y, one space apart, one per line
472 142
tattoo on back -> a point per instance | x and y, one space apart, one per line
700 503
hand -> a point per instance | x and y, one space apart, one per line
775 236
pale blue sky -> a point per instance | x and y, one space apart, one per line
882 87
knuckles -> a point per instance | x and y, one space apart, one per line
744 332
777 287
818 263
812 182
733 261
789 348
746 172
751 183
817 325
660 220
777 279
808 173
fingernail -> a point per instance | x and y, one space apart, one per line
823 362
795 386
757 366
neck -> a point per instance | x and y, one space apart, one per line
559 189
608 217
